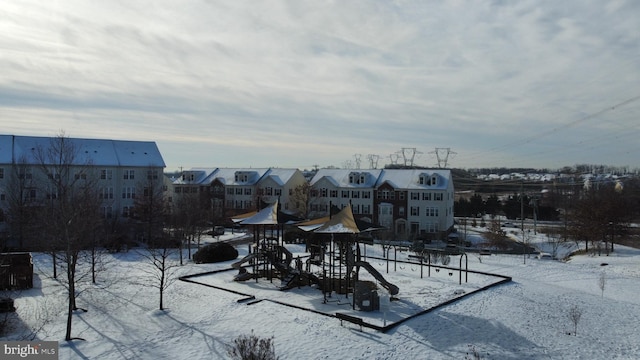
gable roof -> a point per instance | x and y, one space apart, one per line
98 152
409 178
340 177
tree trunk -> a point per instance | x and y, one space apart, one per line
55 268
72 299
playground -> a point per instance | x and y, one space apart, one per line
335 274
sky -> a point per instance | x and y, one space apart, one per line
297 84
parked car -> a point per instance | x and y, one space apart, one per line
544 256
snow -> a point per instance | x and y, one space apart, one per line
526 318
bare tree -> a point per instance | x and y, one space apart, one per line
189 218
151 210
602 281
162 270
22 203
495 235
300 199
575 313
554 240
70 213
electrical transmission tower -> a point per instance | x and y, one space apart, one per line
394 158
358 158
409 154
442 154
373 161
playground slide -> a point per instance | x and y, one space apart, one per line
238 264
393 290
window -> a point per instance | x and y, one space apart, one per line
366 209
384 194
128 193
81 176
355 194
323 192
53 174
32 193
194 190
401 195
432 227
3 197
129 175
431 211
106 174
437 196
269 191
25 174
385 209
401 211
178 190
107 212
230 191
345 194
106 193
53 193
238 191
426 196
247 191
152 174
366 194
415 211
415 196
333 193
127 211
314 192
1 173
276 192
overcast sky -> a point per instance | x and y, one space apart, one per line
303 83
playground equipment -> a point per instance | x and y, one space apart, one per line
333 265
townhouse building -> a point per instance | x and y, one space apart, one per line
410 203
121 171
232 191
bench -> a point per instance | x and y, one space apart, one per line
351 319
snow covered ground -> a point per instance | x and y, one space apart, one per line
524 319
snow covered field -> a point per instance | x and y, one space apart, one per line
524 319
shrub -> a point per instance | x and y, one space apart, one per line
251 347
216 252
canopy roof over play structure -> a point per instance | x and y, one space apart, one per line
270 215
341 223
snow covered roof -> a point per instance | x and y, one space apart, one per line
348 177
99 152
280 176
410 178
237 176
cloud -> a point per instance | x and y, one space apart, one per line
288 82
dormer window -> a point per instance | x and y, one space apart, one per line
429 180
357 178
241 177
